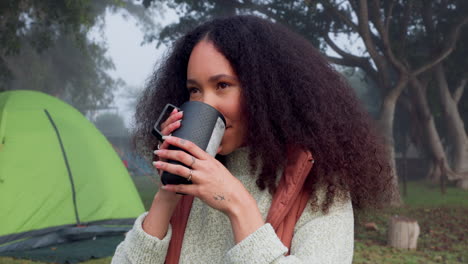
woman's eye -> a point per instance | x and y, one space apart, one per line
192 90
223 85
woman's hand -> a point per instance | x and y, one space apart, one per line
171 124
156 223
211 181
213 184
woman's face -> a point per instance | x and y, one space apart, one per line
211 79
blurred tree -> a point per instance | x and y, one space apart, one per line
396 52
131 93
38 23
18 18
432 97
46 46
448 79
111 125
75 74
365 89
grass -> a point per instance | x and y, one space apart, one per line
443 220
422 194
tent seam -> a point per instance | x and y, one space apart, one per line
70 176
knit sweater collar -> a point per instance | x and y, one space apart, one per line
238 161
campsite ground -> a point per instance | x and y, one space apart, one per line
443 220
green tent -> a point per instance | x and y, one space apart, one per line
60 179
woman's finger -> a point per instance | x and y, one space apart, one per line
167 130
178 155
175 169
189 146
164 145
173 117
189 189
174 111
164 123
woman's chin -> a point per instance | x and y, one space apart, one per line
225 150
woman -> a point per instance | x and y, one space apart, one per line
265 203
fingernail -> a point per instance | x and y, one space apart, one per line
180 120
165 137
156 152
156 164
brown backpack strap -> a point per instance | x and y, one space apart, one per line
290 199
178 222
285 229
287 206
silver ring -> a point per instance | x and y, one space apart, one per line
190 175
193 161
158 146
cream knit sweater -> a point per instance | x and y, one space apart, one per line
208 237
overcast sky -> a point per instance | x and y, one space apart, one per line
133 62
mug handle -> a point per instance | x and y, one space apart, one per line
156 132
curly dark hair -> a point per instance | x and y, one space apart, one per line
290 96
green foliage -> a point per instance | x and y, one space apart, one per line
44 17
38 21
45 46
73 73
296 15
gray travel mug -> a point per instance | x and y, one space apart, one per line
201 124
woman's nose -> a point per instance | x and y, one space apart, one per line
212 101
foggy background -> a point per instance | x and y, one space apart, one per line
407 61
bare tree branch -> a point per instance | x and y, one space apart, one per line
383 32
339 50
402 82
457 94
340 61
363 18
451 40
388 15
335 12
259 7
405 22
351 60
